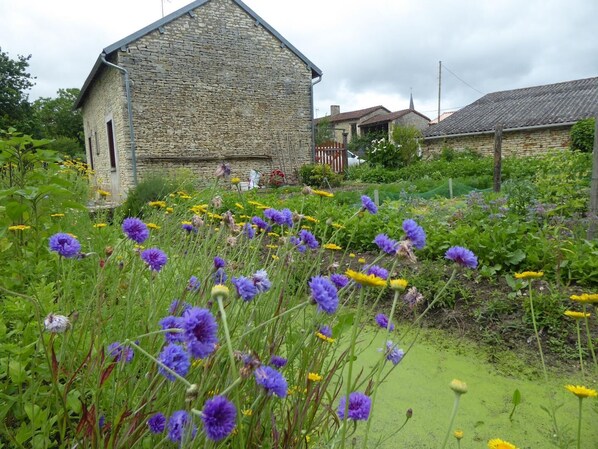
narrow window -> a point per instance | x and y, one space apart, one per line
353 130
90 153
95 135
110 130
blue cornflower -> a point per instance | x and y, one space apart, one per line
248 231
180 425
326 331
135 229
368 204
219 276
415 233
324 293
119 352
219 262
278 361
298 244
200 332
157 423
245 288
462 256
172 322
377 271
261 281
382 321
271 380
359 407
308 238
219 417
386 244
188 227
175 358
64 244
339 280
261 224
154 258
393 354
193 284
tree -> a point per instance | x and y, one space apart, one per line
406 138
15 109
324 131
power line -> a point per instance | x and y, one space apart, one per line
462 80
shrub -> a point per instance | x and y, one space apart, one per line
152 188
384 153
582 135
319 175
406 139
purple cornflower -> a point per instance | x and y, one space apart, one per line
377 271
261 223
193 284
248 231
64 244
415 233
298 243
339 280
359 407
308 238
393 354
462 256
219 262
188 227
102 421
219 276
261 281
135 229
219 417
200 332
177 307
280 217
324 293
157 423
368 204
245 288
271 380
386 244
172 322
326 331
176 358
383 321
180 425
155 258
120 353
278 361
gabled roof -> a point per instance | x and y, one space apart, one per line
384 118
552 104
351 115
157 25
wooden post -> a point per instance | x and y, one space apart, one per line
345 155
497 156
593 212
451 188
376 197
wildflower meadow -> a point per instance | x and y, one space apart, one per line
217 317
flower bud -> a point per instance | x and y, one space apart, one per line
409 413
56 324
220 290
458 386
192 393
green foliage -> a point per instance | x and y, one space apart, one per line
15 80
406 139
384 153
361 143
324 131
154 187
319 175
582 135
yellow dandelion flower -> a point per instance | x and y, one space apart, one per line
322 193
245 217
157 204
338 226
185 197
199 208
185 222
497 443
254 203
314 377
361 260
19 228
582 392
306 227
352 255
576 315
398 284
263 207
273 234
247 412
275 257
239 206
172 195
152 226
169 210
214 216
235 180
529 275
272 246
324 337
458 434
307 438
197 363
100 225
136 246
368 280
332 246
586 297
56 215
103 193
311 219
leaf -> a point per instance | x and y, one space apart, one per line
516 397
516 257
16 372
14 210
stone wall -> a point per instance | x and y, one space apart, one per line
411 119
514 143
212 87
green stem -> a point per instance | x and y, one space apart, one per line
579 426
531 303
579 349
298 306
590 343
454 414
151 357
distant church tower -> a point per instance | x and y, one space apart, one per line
411 102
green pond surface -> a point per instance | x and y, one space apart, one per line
421 382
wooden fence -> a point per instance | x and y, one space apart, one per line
333 154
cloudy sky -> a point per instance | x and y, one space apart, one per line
371 52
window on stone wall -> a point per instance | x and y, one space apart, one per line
90 153
353 130
111 146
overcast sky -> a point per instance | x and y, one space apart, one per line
371 52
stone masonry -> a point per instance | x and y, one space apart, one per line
209 87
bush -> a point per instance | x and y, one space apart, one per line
582 135
153 188
319 175
406 139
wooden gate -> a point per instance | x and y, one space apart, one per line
333 154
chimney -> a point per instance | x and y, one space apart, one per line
335 109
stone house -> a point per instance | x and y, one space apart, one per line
349 122
534 119
211 83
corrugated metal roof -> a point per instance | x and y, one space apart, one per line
550 104
121 44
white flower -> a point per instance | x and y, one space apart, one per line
56 324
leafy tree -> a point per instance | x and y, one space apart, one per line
360 144
324 131
582 135
406 139
15 109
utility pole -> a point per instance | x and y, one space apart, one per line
439 84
